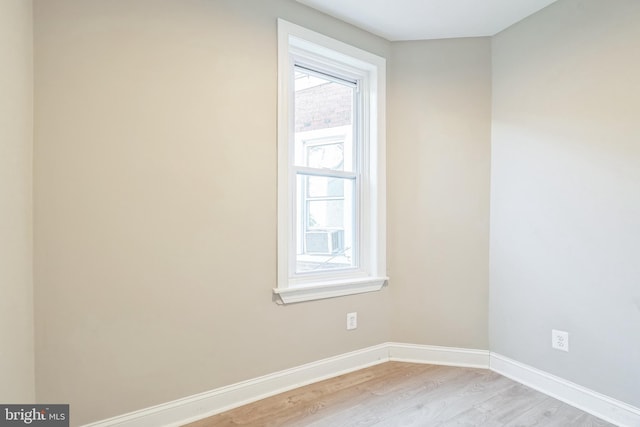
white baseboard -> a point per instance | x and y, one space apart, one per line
597 404
435 355
193 408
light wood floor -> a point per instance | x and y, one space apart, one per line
398 394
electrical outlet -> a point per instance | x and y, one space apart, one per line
352 321
560 340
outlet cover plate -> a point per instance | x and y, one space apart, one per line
560 340
352 321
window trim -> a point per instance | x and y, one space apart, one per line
301 41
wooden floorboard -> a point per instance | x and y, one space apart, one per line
396 394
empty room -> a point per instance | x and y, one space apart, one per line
320 213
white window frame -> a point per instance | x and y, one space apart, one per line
371 70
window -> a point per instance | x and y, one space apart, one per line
331 169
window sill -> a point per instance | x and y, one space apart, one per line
329 289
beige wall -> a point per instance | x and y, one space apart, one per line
438 192
16 139
565 202
155 191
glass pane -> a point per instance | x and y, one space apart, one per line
325 230
324 114
320 186
325 214
328 156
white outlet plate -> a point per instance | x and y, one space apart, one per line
352 321
560 340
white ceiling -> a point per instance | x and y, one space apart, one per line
430 19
